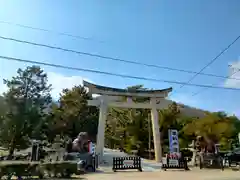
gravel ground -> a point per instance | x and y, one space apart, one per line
151 171
167 175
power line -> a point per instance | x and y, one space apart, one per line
50 31
110 58
212 61
112 74
194 94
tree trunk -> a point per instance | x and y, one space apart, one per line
10 152
12 148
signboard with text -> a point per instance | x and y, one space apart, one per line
173 141
128 163
173 162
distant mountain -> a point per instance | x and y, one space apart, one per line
190 111
185 110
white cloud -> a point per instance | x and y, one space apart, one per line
234 73
3 88
58 81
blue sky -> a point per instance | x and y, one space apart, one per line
182 34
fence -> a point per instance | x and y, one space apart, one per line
175 163
211 161
127 162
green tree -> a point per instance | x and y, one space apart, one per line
28 98
73 114
131 126
3 106
128 128
217 127
185 139
168 119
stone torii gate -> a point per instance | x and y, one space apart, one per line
113 97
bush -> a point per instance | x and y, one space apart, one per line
59 168
18 168
28 169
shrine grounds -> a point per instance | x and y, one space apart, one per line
194 174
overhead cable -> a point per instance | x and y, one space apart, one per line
112 74
109 58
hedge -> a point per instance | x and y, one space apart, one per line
30 169
59 168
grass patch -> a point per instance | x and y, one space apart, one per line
3 152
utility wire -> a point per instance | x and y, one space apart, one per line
209 63
238 69
50 31
112 74
111 58
194 94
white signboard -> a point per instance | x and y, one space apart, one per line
128 162
173 141
173 162
164 160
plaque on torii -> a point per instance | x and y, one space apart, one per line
113 97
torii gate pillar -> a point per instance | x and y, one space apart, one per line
101 129
156 132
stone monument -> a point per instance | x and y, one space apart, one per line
58 155
35 150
